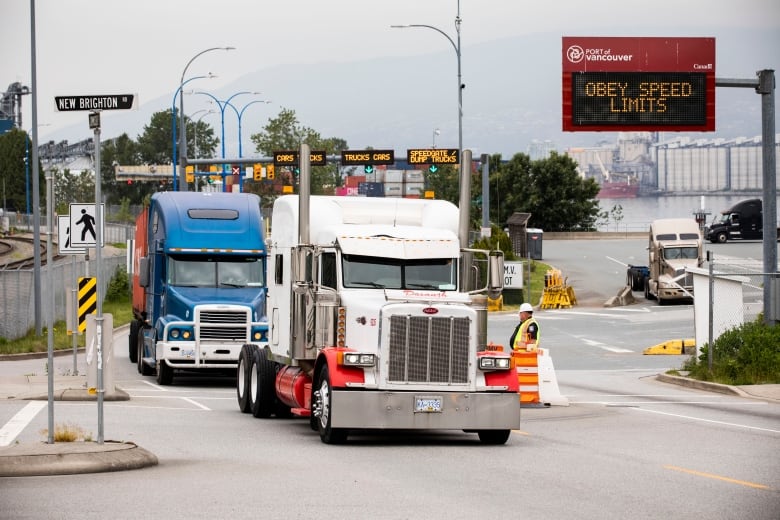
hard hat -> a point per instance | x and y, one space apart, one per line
526 307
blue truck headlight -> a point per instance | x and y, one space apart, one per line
180 334
494 363
259 334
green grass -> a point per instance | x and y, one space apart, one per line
120 310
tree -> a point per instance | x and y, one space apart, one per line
285 133
550 189
14 174
155 144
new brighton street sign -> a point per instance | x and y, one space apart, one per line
94 103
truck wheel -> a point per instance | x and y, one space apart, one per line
143 368
164 373
261 385
494 437
722 237
648 294
132 342
638 282
242 378
324 397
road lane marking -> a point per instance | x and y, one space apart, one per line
593 343
723 423
717 477
19 422
195 403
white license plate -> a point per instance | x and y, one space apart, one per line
188 353
427 403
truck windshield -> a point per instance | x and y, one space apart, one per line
677 253
392 273
215 271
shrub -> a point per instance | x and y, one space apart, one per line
118 287
745 355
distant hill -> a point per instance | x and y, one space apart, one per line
512 97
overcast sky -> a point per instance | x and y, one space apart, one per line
141 47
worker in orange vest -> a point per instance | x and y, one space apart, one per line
526 334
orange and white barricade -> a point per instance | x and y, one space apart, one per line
536 378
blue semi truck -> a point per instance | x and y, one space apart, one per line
199 287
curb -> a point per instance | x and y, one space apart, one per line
70 458
713 387
78 394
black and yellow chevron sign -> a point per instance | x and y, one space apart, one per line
87 300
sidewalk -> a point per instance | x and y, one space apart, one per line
65 458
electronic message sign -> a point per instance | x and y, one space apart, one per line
638 84
290 158
433 156
363 157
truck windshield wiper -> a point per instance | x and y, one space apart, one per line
371 284
231 284
422 285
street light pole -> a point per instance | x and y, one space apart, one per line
456 47
240 114
173 125
222 105
183 125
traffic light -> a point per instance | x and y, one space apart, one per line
433 168
190 177
257 172
368 168
270 172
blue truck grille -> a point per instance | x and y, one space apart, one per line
214 325
427 349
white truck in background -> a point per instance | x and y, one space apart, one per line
674 245
373 322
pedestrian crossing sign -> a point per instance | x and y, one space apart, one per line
83 225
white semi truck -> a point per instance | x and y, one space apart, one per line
675 244
373 322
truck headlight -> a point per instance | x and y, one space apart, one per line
180 334
358 359
259 334
494 363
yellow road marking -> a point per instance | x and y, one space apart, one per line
718 477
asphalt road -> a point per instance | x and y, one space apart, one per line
628 446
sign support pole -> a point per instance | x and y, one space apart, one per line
98 257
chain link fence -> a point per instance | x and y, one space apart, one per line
733 294
17 294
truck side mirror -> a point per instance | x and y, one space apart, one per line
495 274
652 256
143 271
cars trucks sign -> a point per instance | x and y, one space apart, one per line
290 158
638 84
362 157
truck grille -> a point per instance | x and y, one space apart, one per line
429 349
222 325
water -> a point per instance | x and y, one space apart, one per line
638 213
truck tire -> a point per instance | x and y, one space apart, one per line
164 373
494 437
132 342
324 396
722 237
648 294
261 385
242 378
143 368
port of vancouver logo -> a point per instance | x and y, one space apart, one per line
575 54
